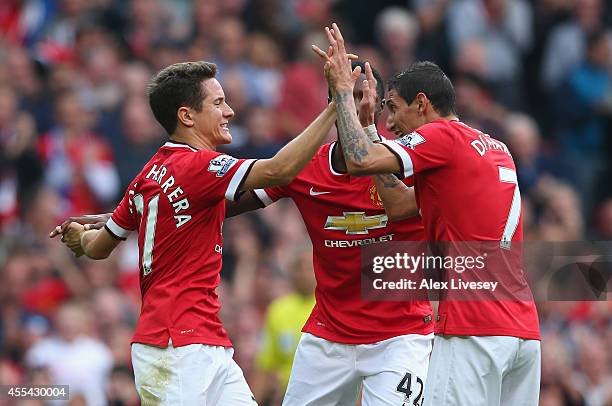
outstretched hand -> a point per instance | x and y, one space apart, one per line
337 66
90 221
367 105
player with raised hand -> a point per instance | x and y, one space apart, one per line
486 352
181 353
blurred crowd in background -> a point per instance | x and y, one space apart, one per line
75 128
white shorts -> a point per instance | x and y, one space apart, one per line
194 374
328 373
483 371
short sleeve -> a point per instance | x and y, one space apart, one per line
223 174
123 220
421 150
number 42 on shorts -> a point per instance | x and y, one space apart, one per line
405 386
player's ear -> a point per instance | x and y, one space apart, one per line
185 117
421 99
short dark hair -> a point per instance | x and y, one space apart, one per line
426 77
176 86
380 83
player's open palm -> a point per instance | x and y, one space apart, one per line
367 104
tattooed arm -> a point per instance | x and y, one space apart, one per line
363 157
399 200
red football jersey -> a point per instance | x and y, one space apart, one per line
342 213
467 191
177 204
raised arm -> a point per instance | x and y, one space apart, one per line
363 157
291 159
399 200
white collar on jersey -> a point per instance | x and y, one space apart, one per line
174 144
331 154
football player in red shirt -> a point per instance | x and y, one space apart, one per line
180 351
487 350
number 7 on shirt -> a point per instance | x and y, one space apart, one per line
507 175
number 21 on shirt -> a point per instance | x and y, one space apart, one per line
149 230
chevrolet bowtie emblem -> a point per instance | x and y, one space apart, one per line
355 222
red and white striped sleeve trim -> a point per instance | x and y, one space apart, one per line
403 157
238 179
263 196
116 230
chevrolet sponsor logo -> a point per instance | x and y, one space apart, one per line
358 243
356 222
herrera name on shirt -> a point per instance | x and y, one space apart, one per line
172 192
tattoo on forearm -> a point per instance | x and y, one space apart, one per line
353 138
389 181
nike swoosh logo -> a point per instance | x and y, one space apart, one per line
313 193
